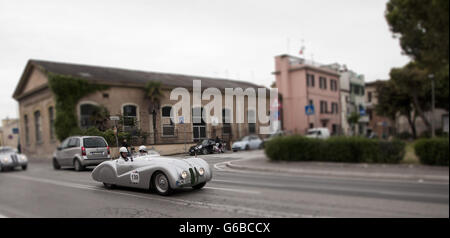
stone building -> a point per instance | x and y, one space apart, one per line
124 97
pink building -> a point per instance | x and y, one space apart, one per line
301 84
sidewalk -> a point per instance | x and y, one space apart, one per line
375 171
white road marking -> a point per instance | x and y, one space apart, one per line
182 202
235 190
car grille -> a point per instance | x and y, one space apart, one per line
14 159
194 175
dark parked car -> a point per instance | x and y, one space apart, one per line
204 147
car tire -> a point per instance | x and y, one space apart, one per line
77 165
234 150
161 184
56 165
1 168
24 167
247 147
199 186
109 186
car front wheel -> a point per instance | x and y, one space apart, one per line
24 167
161 184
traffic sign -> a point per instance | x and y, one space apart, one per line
309 110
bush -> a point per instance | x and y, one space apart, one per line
335 149
432 151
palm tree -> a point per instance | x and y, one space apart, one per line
153 93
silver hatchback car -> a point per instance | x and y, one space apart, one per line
81 151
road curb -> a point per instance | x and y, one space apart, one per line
342 174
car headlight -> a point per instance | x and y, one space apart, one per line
23 158
6 160
201 171
184 175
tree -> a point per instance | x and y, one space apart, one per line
394 101
153 93
353 119
422 27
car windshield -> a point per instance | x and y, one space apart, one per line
205 142
314 133
152 152
94 142
7 150
245 138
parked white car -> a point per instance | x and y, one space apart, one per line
318 133
251 142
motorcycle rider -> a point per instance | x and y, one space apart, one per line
143 150
124 156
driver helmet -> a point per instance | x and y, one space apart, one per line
142 149
123 152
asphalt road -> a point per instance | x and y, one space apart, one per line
43 192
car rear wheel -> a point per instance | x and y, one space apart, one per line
161 184
247 147
77 165
56 164
24 167
199 186
204 151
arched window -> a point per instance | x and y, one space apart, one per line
199 125
86 115
38 126
226 119
251 122
129 116
167 123
27 130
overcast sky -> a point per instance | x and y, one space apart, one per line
227 38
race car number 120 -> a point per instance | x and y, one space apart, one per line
134 177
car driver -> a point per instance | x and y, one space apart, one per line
143 150
124 156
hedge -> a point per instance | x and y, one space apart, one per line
335 149
432 151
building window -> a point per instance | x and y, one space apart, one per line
129 117
334 108
86 115
199 125
38 126
323 83
226 130
369 97
310 81
167 123
323 107
333 85
51 117
27 129
251 122
311 125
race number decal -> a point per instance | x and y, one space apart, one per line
134 177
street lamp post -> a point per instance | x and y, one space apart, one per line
433 133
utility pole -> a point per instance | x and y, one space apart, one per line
433 133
